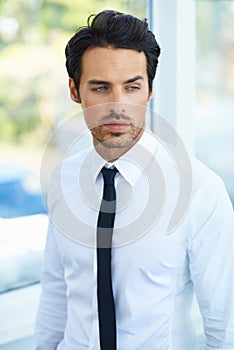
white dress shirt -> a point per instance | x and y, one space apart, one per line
155 271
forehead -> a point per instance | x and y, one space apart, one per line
110 63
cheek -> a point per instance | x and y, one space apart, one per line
144 98
139 99
88 98
90 121
94 113
87 101
136 111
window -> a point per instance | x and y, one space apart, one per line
34 100
214 141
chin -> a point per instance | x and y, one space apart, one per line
117 143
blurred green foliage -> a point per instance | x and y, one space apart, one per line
33 35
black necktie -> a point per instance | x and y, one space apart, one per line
106 306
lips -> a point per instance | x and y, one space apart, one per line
116 125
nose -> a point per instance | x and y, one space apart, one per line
117 108
117 103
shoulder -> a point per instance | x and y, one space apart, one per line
205 180
210 205
65 175
70 164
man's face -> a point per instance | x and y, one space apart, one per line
113 92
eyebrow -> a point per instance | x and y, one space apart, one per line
132 80
104 82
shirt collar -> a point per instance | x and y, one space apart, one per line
131 164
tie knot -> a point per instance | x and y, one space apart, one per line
109 175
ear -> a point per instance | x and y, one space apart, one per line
73 92
150 95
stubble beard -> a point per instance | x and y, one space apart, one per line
117 140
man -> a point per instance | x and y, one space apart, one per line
117 278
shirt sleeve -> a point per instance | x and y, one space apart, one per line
211 255
52 310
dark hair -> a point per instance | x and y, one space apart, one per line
115 29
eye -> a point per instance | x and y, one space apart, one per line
133 87
100 88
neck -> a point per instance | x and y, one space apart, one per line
111 154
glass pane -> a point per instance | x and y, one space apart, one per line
215 88
34 100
